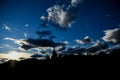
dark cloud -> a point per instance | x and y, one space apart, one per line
32 43
52 37
76 50
26 47
61 15
112 35
97 47
43 33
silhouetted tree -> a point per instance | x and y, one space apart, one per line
54 54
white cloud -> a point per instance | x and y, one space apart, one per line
6 27
65 42
75 2
57 15
86 40
43 18
61 15
112 35
17 41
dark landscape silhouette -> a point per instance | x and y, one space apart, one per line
63 65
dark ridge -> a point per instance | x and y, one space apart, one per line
67 66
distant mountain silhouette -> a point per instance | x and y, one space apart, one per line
66 66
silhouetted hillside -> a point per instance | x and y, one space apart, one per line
66 66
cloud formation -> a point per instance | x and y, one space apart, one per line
86 40
34 43
61 15
6 27
16 41
112 35
97 47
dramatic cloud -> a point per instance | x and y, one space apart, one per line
97 47
34 43
86 40
6 27
61 15
112 35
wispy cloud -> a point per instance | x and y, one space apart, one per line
16 41
6 27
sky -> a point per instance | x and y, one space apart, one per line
71 21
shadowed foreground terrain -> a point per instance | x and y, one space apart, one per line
67 66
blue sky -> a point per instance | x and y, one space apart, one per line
23 17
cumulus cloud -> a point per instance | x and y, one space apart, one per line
112 35
6 27
86 40
61 15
